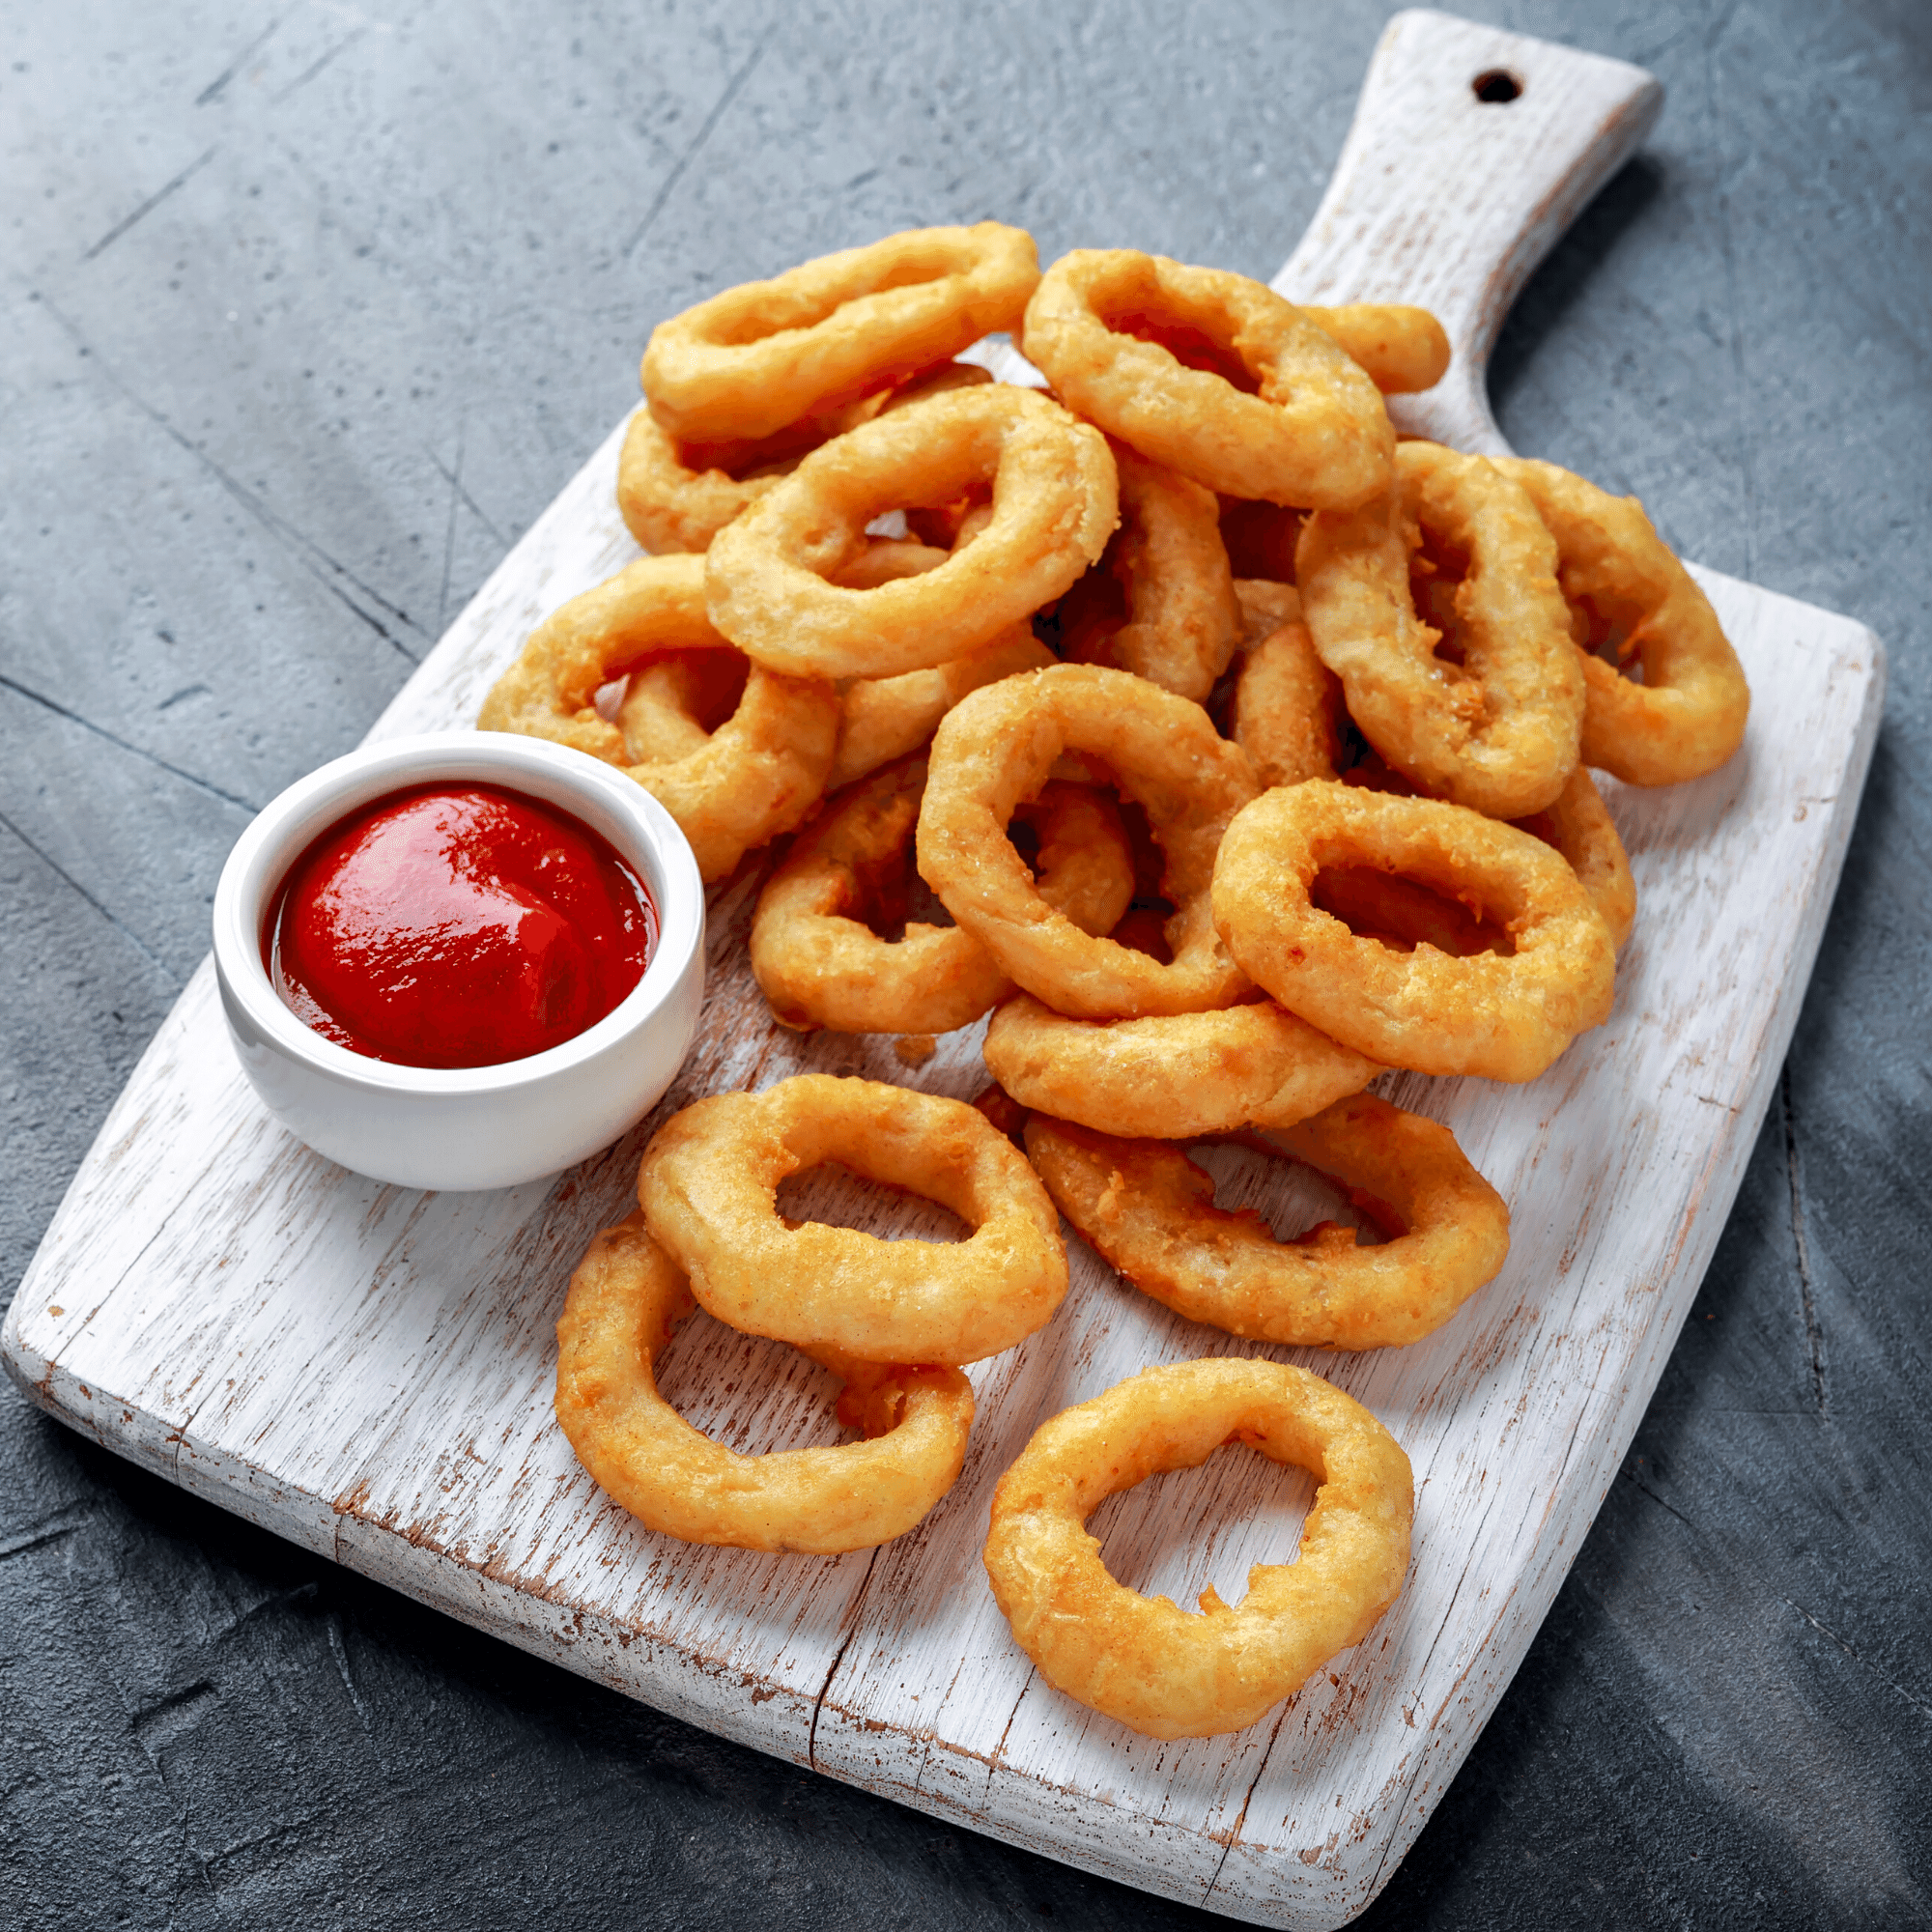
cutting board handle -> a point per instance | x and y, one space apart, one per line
1471 150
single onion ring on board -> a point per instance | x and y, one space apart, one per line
1115 330
1502 1017
1688 716
625 1300
820 966
1157 1669
1151 1211
1173 1076
996 747
769 575
756 776
748 360
1402 349
677 496
1500 732
1161 601
1576 823
1288 703
708 1187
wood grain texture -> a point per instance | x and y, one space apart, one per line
368 1371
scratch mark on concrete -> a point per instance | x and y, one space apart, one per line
338 1649
268 1606
148 207
309 72
309 554
468 502
173 1716
1801 1241
60 710
454 479
1644 1489
50 1528
126 932
215 88
1748 406
1824 1629
685 160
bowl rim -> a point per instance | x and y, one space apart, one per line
603 797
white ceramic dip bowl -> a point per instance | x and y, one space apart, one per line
471 1126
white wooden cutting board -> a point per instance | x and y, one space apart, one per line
369 1372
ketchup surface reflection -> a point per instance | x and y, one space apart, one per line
458 925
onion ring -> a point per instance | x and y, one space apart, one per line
1288 703
1140 1660
819 966
1402 349
1054 502
996 748
1171 1077
1688 716
625 1300
708 1187
1500 732
885 717
755 777
1114 332
677 496
1577 824
1151 1211
1266 605
666 702
1161 601
665 698
890 561
752 358
1505 1019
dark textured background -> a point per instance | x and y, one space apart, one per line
307 311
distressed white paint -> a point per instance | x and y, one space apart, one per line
369 1371
1449 201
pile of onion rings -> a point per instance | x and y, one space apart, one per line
730 790
1248 753
1160 602
821 967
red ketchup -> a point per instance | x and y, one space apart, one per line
458 925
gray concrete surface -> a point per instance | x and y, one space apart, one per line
307 309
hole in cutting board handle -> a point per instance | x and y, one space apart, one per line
1495 87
